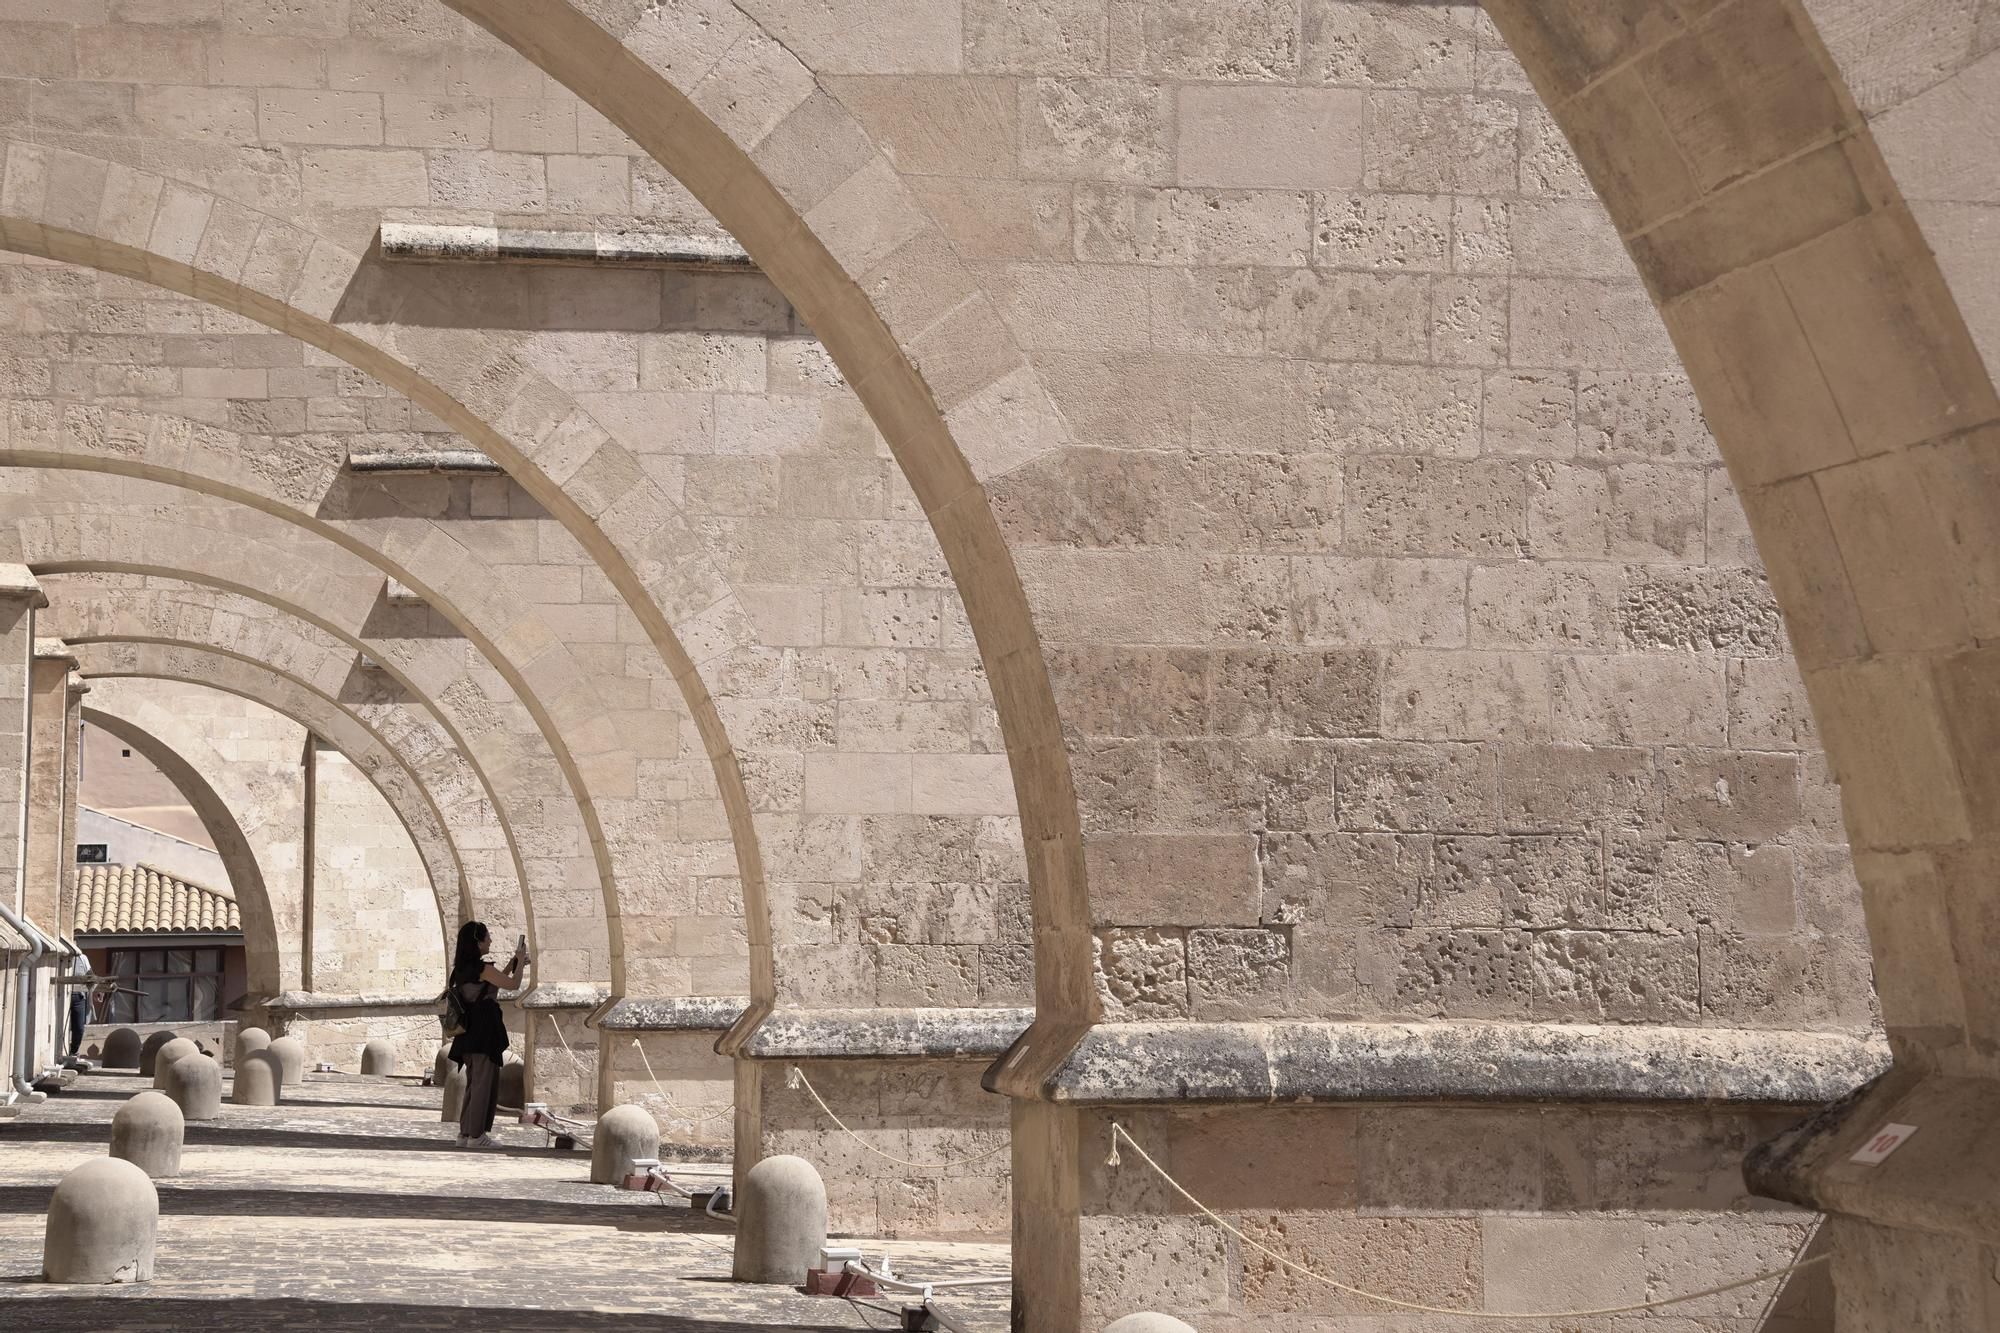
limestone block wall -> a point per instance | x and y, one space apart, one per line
1478 1209
931 1115
375 921
679 1078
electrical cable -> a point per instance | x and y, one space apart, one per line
1118 1131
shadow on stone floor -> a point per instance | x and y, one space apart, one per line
221 1136
138 1313
628 1214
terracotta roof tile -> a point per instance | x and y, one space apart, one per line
140 900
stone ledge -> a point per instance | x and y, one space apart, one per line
884 1034
677 1013
565 995
317 1004
1483 1062
424 460
433 243
1944 1178
17 581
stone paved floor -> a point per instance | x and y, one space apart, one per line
348 1208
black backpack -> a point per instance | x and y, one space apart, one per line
452 1017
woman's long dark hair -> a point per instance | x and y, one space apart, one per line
467 961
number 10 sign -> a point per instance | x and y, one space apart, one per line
1885 1141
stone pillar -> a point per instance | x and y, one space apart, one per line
20 595
72 792
48 684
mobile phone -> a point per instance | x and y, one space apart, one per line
521 947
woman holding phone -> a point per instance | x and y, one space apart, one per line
483 1044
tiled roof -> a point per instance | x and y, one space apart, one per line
139 900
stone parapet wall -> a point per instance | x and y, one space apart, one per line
928 1112
1546 1208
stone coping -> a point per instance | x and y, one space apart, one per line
676 1013
1121 1063
317 1004
458 243
17 580
423 460
1943 1178
54 650
884 1034
564 995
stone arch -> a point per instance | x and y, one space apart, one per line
737 118
94 607
281 275
284 479
1850 404
246 877
113 657
329 592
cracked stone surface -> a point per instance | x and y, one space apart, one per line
347 1207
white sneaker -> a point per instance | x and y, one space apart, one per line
484 1141
462 1142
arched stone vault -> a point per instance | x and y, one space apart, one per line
246 877
286 277
235 672
367 518
1827 352
113 658
160 610
339 595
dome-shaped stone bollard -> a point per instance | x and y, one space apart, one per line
122 1049
102 1221
147 1132
291 1053
378 1058
248 1040
780 1222
195 1084
513 1086
1148 1322
454 1093
163 1059
259 1081
624 1134
150 1050
441 1066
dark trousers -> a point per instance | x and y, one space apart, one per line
482 1096
79 1014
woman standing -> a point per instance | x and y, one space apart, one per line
483 1043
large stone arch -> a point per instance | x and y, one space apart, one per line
1831 359
273 271
96 607
246 877
112 657
339 597
288 479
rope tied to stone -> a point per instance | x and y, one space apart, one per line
1118 1132
797 1079
679 1116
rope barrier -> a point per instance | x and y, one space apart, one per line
1118 1131
797 1078
679 1116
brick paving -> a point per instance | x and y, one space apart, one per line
347 1207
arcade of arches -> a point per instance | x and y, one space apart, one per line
1394 598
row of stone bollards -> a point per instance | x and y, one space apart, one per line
104 1214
